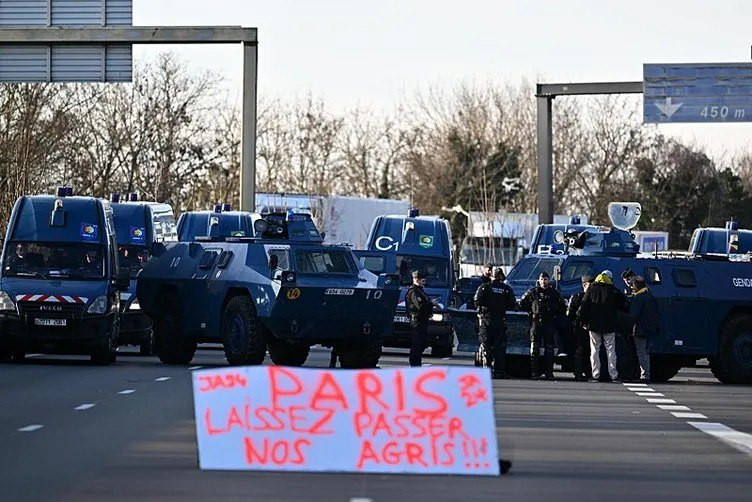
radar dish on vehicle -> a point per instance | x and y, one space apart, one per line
624 215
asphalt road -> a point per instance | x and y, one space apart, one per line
126 432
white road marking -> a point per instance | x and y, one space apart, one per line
84 406
660 400
127 391
650 394
630 384
641 389
34 355
195 368
679 414
161 379
360 499
739 440
30 428
446 358
673 407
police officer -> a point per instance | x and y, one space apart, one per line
487 275
419 308
543 303
579 330
493 300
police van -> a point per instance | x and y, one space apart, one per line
60 282
138 227
415 242
221 221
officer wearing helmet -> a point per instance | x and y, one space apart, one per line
493 300
419 309
544 303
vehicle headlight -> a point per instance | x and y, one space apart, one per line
134 305
98 306
6 302
439 317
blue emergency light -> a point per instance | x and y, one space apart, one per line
226 206
114 197
413 212
574 220
217 208
133 197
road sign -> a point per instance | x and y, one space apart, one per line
76 62
706 92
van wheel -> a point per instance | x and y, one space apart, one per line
286 353
664 368
442 351
103 355
18 356
146 347
733 364
243 340
360 355
169 343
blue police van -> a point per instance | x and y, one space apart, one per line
138 226
221 221
60 282
404 243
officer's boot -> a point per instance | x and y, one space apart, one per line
500 363
549 361
534 369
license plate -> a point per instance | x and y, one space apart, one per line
50 322
339 292
401 318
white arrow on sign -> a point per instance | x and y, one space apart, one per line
668 108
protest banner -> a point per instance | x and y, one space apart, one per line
430 420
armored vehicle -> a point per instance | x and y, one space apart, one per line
60 281
704 301
221 221
417 243
138 225
721 241
281 289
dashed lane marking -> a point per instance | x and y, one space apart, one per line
673 407
630 384
127 391
641 389
161 379
34 355
649 394
739 440
660 400
360 499
195 368
679 414
30 428
84 406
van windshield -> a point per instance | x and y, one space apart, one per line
436 269
132 258
494 250
78 261
528 269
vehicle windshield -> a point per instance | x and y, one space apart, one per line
528 269
132 258
323 261
436 269
494 250
78 261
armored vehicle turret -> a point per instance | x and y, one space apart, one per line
282 290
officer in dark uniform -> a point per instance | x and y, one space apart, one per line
419 308
579 331
543 303
493 300
487 275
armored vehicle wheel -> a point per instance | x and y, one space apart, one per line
5 354
733 364
147 346
442 351
243 340
663 368
103 355
286 353
361 355
169 343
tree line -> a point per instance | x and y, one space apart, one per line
174 136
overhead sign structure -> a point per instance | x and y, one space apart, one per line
705 92
60 62
430 420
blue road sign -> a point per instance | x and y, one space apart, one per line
709 92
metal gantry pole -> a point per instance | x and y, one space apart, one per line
545 161
248 156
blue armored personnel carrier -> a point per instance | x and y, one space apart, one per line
704 301
138 226
417 243
60 281
722 241
221 221
281 289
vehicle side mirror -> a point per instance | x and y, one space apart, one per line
123 280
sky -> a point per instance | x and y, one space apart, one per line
373 53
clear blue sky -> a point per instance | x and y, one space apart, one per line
372 52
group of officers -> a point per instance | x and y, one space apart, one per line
592 311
